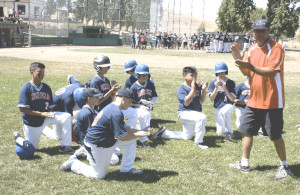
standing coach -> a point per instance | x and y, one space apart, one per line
265 105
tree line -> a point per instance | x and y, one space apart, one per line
239 15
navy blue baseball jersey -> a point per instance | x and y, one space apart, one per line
103 85
246 39
129 82
108 126
85 119
242 93
64 99
146 91
226 38
37 98
182 92
221 98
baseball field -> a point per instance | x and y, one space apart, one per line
170 166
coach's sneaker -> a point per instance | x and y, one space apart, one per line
228 137
283 172
134 171
200 145
66 150
158 134
66 166
261 133
16 135
238 166
146 144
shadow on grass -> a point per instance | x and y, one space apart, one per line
210 128
53 150
157 142
149 176
135 160
35 157
294 168
213 141
155 123
265 167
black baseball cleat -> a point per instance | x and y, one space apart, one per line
158 134
66 150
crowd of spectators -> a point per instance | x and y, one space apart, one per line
218 42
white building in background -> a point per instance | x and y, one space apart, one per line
21 7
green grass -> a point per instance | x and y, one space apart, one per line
171 166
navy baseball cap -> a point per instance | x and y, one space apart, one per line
261 24
91 92
125 92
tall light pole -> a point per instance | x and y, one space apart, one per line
179 15
29 28
173 16
191 17
137 14
56 20
168 16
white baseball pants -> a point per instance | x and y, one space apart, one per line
55 133
221 46
192 122
227 47
138 118
223 119
99 162
62 120
216 46
211 46
239 112
100 159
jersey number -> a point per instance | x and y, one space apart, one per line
225 98
46 105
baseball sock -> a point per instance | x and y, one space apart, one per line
283 163
245 162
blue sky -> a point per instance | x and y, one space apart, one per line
211 7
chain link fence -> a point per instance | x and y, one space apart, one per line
60 17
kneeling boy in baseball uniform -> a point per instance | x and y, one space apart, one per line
219 91
85 119
145 95
36 105
191 97
106 133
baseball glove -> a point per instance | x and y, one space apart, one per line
147 104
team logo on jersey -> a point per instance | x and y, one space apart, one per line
246 92
60 91
40 95
220 88
104 87
144 92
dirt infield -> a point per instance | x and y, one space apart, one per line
69 54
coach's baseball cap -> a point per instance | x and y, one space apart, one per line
261 24
91 92
125 92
